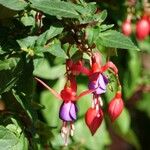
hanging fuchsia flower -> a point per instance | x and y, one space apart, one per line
98 83
68 109
115 107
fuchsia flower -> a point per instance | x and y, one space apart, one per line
68 109
115 107
97 86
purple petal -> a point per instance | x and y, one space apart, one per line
99 85
68 111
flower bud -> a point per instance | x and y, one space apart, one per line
115 106
126 28
93 119
142 29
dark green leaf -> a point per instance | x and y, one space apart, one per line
8 78
114 39
55 49
55 8
49 34
14 4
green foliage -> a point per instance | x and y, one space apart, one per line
32 45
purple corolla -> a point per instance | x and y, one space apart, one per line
68 111
99 83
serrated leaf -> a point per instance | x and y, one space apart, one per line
55 8
14 4
10 140
50 33
114 39
55 49
27 42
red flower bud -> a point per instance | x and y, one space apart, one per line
126 28
115 106
142 29
93 119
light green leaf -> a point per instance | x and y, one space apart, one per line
42 65
114 39
27 42
122 123
83 136
9 140
55 8
14 4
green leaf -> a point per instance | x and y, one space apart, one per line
14 4
42 65
132 75
83 136
7 64
27 42
122 124
114 39
10 140
143 104
8 78
132 139
28 20
55 8
49 34
55 49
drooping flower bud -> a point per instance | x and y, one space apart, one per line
115 107
142 28
126 27
93 119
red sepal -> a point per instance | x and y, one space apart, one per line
93 121
115 107
67 94
84 93
50 89
110 65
